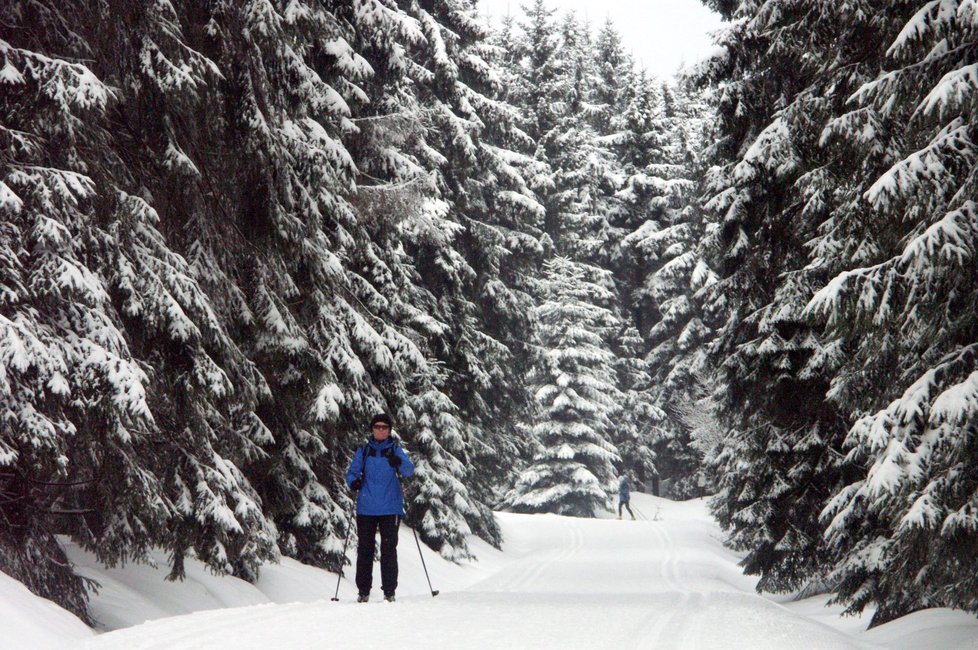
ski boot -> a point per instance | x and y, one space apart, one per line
389 597
363 598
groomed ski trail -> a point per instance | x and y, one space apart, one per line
561 583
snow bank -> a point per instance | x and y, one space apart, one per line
930 629
29 622
137 593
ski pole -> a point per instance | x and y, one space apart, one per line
434 592
339 574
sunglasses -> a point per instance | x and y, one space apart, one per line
381 426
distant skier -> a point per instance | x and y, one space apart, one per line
624 496
374 473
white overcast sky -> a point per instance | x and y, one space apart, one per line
661 34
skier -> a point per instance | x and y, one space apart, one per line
624 496
375 472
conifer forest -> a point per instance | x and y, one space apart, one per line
232 230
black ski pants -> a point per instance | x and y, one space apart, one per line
625 503
367 526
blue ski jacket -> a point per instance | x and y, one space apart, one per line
380 493
623 494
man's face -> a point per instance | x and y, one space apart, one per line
381 430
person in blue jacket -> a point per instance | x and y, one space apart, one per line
375 473
624 496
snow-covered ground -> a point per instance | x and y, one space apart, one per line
664 581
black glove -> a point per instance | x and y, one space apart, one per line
356 484
394 460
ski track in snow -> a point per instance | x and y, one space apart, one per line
563 583
654 633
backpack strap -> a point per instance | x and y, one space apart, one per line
365 450
370 451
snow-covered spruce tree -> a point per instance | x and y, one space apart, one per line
653 131
255 201
477 278
903 295
443 191
204 390
577 69
638 138
552 88
505 241
585 171
539 96
58 341
323 308
659 265
615 80
527 55
441 503
781 461
576 386
542 88
578 184
638 420
624 196
703 435
139 410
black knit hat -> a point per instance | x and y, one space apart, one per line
381 417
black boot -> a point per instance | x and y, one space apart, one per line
363 598
389 596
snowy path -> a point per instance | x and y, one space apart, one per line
561 583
